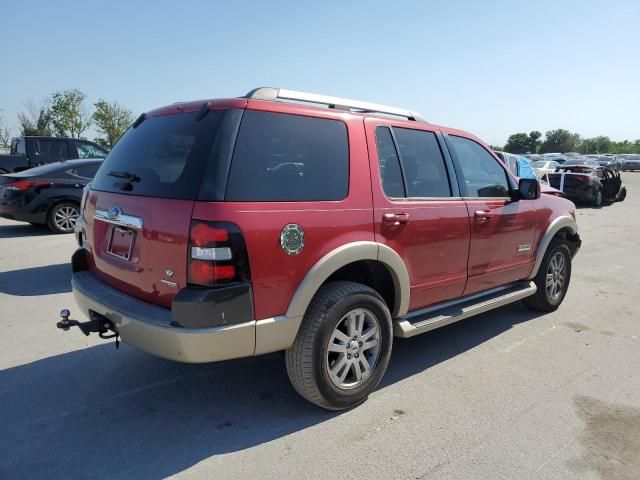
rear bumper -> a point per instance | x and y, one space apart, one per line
149 327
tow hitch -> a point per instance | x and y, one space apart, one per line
98 324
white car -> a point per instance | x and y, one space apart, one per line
542 167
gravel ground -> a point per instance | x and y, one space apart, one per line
509 394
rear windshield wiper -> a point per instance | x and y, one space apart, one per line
120 174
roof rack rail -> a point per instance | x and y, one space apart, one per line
274 94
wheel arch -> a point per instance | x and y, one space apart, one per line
562 227
352 254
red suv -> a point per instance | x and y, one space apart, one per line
316 225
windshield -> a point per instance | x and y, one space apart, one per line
538 164
164 156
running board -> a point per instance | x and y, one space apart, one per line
427 319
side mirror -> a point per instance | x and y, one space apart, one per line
528 189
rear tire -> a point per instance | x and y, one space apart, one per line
62 217
552 279
343 346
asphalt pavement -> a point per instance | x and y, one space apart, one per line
510 394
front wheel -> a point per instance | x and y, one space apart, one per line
343 346
62 217
552 279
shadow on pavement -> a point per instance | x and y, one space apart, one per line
100 413
23 230
37 280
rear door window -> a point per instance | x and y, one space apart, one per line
164 156
281 157
85 171
423 163
390 173
52 150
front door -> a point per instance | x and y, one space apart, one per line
502 230
417 209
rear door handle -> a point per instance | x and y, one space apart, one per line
483 216
395 219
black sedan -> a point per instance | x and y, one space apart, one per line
49 194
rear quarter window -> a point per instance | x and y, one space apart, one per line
280 158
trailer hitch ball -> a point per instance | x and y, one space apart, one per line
65 323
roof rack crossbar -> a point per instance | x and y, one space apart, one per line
274 94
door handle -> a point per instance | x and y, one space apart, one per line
395 219
483 216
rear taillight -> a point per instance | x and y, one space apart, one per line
217 254
24 185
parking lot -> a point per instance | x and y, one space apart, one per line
509 394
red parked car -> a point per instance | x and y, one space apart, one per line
316 225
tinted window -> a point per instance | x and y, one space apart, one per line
390 172
163 157
481 173
53 151
86 171
88 150
282 157
423 164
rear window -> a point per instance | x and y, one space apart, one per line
164 157
280 157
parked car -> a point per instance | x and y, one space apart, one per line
631 162
609 161
29 152
581 161
588 183
49 194
517 164
237 227
542 167
556 157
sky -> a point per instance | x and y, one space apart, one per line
492 68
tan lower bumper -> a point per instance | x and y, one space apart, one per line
174 343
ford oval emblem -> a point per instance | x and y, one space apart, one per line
114 212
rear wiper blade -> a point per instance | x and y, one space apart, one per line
120 174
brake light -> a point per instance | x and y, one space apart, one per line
24 185
217 254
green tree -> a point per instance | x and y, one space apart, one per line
534 141
69 115
112 120
560 140
36 118
517 143
600 144
523 143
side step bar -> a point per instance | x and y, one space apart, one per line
427 319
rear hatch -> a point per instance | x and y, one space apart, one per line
137 214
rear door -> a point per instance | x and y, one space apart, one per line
53 150
138 212
417 208
502 230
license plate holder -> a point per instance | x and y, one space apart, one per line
120 243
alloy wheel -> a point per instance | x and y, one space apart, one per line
65 217
556 276
354 348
